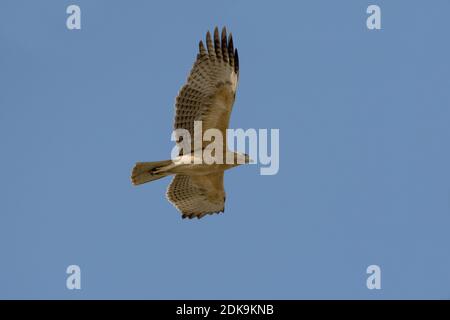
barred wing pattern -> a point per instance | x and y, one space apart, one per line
197 196
209 93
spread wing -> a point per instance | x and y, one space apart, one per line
209 93
196 196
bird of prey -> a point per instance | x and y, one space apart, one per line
208 96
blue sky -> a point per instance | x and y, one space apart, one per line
364 151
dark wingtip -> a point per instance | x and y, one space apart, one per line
230 43
216 34
220 45
224 45
236 61
209 44
201 46
201 49
217 47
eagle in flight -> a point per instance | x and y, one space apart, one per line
208 96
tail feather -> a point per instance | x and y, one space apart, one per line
144 172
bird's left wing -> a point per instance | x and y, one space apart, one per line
209 93
197 196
